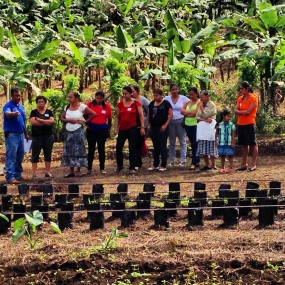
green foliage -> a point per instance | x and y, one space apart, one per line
248 70
27 227
185 76
117 78
4 217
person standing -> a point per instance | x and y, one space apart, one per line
159 117
74 152
128 114
42 120
225 140
189 110
175 128
98 130
246 109
15 132
136 95
206 117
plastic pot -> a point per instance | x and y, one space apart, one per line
87 199
123 189
251 188
17 209
243 212
274 188
73 191
230 216
150 188
44 209
118 206
6 203
3 189
35 201
219 211
98 190
23 189
96 221
171 205
4 225
266 214
161 218
92 207
128 218
195 216
261 196
60 199
47 189
201 196
143 205
64 221
68 207
115 197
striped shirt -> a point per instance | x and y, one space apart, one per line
225 133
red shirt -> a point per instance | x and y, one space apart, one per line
102 114
250 119
128 115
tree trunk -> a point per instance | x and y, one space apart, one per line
222 72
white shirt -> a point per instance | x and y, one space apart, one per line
75 115
206 131
177 107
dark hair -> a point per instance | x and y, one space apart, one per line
224 113
247 86
76 95
14 90
194 89
41 98
158 91
101 94
205 92
128 89
136 87
172 85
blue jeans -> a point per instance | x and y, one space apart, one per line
14 156
176 130
191 132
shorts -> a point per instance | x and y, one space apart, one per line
226 150
246 135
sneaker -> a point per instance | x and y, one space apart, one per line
118 169
153 168
132 171
182 164
162 169
48 175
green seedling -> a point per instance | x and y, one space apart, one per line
4 217
27 227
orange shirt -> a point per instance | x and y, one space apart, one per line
243 106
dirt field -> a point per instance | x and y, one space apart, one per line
208 254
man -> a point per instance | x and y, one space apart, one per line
14 130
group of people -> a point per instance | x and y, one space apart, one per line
170 117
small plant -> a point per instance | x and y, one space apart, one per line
4 217
110 242
27 227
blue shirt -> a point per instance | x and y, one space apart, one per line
14 124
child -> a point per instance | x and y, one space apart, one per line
225 140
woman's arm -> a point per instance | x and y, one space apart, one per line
140 112
170 115
91 114
233 139
43 122
117 121
238 112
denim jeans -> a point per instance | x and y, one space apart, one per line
191 132
159 141
176 130
14 156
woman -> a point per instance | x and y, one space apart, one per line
129 113
74 153
246 109
136 95
42 120
175 129
206 117
159 116
189 110
98 130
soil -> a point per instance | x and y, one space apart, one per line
208 254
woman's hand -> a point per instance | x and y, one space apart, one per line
71 121
142 131
209 120
162 129
115 131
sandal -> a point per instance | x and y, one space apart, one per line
251 168
242 168
205 168
103 171
222 170
69 175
